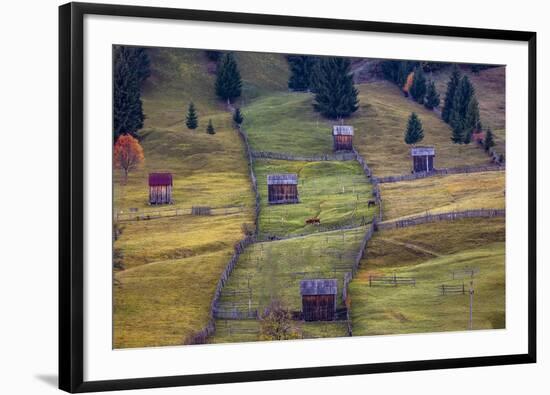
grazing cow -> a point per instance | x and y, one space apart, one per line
371 203
313 221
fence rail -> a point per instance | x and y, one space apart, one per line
439 172
448 216
452 289
342 156
391 280
145 215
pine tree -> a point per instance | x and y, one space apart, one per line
414 132
213 56
228 78
301 72
432 97
452 85
210 128
471 119
131 68
335 94
418 88
191 120
489 141
238 117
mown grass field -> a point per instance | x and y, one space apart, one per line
273 271
335 192
442 194
490 88
173 264
430 253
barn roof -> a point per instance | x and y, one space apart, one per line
275 179
343 130
319 287
422 151
160 179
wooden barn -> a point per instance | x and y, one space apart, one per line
160 188
319 299
342 137
282 188
423 159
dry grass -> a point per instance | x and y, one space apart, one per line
380 126
442 194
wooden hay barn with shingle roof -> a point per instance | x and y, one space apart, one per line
319 299
423 159
342 137
160 188
282 188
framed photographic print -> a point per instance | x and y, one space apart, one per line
257 197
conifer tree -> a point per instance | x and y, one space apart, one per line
228 78
418 88
471 119
238 117
301 72
191 120
335 94
415 131
489 141
452 85
210 128
131 68
432 97
213 56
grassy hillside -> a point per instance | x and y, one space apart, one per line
430 253
173 264
445 193
490 88
273 270
335 192
380 126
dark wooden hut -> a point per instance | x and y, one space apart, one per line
342 138
282 188
423 159
160 188
319 299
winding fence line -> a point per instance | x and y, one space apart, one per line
448 216
439 172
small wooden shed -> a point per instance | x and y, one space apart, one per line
160 188
319 299
282 188
342 137
423 159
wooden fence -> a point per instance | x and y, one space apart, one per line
438 172
201 336
374 182
452 289
253 179
353 224
201 210
391 280
343 156
449 216
144 215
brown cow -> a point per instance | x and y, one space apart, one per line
371 203
313 221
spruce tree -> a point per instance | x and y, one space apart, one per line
210 128
489 141
191 120
418 88
301 72
238 117
414 132
228 78
471 119
452 85
335 94
432 97
213 56
131 68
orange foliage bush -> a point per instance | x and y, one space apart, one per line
408 82
128 154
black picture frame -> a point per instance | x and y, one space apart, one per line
71 198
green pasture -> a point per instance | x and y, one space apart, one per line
335 192
430 253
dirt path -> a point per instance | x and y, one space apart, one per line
413 247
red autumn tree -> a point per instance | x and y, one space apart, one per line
128 154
